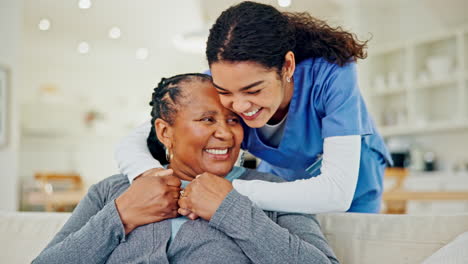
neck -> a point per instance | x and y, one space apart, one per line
182 172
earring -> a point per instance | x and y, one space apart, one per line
288 79
168 155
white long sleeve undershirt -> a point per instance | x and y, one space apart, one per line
331 191
132 154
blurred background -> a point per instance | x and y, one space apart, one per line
77 75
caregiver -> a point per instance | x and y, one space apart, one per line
292 78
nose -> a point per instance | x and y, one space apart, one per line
240 105
223 132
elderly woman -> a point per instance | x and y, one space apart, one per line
121 223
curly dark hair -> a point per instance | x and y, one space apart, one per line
165 101
257 32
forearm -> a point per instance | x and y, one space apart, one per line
264 241
92 243
332 190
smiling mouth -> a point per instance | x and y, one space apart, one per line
217 151
252 114
219 154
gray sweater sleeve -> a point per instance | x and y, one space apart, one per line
90 235
293 238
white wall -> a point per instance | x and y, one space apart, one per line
108 79
10 32
401 20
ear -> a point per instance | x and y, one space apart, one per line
289 65
164 132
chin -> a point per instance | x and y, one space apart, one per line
255 123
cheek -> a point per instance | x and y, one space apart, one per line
276 91
199 138
196 141
238 134
225 101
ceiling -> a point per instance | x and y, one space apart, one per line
150 23
144 23
154 24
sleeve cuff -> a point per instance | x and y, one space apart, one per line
242 187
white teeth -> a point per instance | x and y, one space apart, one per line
252 113
217 151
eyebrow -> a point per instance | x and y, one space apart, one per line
243 88
209 113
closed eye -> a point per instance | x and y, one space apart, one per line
222 92
254 92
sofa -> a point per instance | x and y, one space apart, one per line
356 238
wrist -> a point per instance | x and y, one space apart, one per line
121 205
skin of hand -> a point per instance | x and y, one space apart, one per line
204 195
149 199
156 172
187 213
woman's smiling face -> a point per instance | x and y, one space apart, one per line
206 137
251 90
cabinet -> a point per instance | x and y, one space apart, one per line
419 86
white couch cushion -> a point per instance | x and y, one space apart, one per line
379 238
25 235
356 238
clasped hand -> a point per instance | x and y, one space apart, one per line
203 196
155 197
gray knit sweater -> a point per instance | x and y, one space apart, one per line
239 232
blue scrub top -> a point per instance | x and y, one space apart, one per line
326 103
